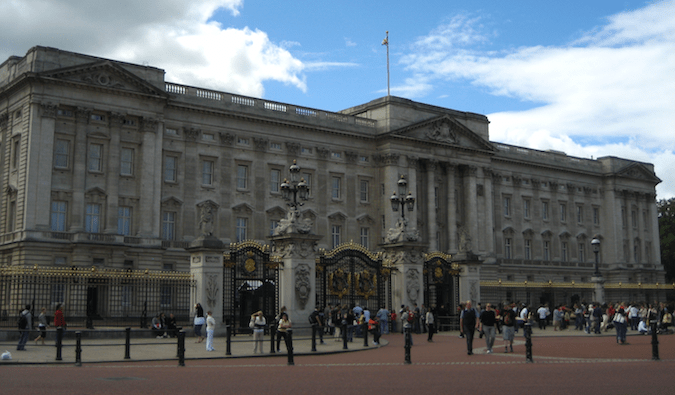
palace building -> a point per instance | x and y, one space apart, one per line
105 164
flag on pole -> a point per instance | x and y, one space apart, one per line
385 41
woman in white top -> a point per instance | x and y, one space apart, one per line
210 328
258 324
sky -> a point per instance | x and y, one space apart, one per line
590 78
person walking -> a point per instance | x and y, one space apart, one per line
431 327
488 320
42 326
210 328
25 325
508 319
383 317
468 323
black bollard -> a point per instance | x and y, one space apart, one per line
365 334
59 343
181 348
407 346
127 344
78 348
176 332
273 331
289 346
314 337
228 342
344 336
655 341
528 342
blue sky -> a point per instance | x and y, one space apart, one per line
591 78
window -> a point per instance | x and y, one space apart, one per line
580 214
365 237
242 141
582 252
636 253
364 186
207 137
596 216
563 251
633 218
170 169
308 179
11 218
207 172
240 231
60 261
95 162
306 150
92 219
58 217
623 217
124 220
507 206
273 225
528 249
435 197
58 293
526 208
98 117
336 155
507 248
242 177
275 146
62 154
364 158
16 150
336 235
645 220
335 187
547 250
173 132
563 212
544 211
127 162
168 225
275 180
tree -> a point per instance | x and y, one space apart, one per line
666 209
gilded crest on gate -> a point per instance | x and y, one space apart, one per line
366 284
339 283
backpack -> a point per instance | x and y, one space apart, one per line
507 317
23 322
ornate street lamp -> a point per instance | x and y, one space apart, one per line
595 243
402 199
294 189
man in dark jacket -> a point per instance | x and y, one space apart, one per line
24 327
468 323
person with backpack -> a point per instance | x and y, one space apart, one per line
508 319
316 320
468 323
24 325
407 319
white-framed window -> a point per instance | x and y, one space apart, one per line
275 180
507 206
563 212
336 155
168 225
207 172
308 180
16 151
95 159
582 252
241 229
242 141
544 210
127 162
170 169
547 250
364 187
580 214
336 187
58 221
526 208
306 151
528 249
336 235
273 225
62 154
275 146
563 251
596 216
508 245
365 237
60 260
242 177
92 218
124 220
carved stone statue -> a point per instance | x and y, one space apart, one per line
293 224
401 233
412 284
302 285
206 221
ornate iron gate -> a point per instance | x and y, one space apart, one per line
350 274
441 284
250 283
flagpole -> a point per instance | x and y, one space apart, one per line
386 42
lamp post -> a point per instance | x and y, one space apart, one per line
402 199
294 189
595 243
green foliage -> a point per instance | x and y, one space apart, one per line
666 209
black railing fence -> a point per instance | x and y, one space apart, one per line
94 296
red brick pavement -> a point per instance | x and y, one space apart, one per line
562 365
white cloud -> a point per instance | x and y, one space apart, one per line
609 93
176 35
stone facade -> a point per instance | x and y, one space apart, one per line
104 163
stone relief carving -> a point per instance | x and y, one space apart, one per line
464 239
303 287
191 134
206 219
211 289
102 79
351 156
226 138
473 290
412 278
442 131
323 152
293 148
386 159
401 233
149 125
293 223
48 110
261 144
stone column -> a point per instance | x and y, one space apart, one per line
598 289
113 173
469 280
206 266
432 227
452 207
39 170
297 279
489 212
151 178
82 116
407 262
471 215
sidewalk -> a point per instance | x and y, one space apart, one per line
150 349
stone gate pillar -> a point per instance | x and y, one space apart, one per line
206 266
407 280
297 277
469 278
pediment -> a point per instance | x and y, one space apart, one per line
96 191
276 211
171 202
243 209
638 171
337 217
365 219
208 203
105 74
446 131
